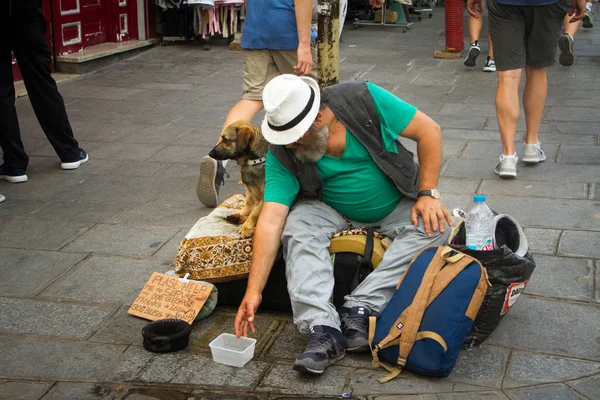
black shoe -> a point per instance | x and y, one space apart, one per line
326 345
355 325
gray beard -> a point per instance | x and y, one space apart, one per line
313 151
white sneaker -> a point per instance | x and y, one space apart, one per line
490 65
533 153
507 167
2 198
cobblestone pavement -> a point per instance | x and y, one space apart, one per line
77 246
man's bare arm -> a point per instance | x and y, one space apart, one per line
427 134
266 244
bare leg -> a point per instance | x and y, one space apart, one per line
491 47
570 28
507 108
534 99
475 25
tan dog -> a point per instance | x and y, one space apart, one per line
243 142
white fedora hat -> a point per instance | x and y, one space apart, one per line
291 105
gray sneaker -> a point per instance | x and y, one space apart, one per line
533 153
2 198
588 19
565 44
355 325
212 173
507 167
326 345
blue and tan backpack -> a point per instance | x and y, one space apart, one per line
424 326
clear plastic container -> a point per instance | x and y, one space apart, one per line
479 224
229 350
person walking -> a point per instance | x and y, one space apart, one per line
22 32
475 26
524 36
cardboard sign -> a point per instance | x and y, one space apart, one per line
166 297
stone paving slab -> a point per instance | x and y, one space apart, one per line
589 387
545 172
24 274
561 392
527 369
580 244
539 324
483 366
365 382
81 391
87 282
80 211
49 318
21 390
121 240
45 359
40 234
523 188
118 189
139 365
537 212
585 155
562 277
282 379
473 396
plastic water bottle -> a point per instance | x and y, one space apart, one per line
479 223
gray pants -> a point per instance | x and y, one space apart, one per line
306 238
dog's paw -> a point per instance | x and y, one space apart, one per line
246 232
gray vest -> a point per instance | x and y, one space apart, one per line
352 104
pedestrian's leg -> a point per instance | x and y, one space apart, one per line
534 100
10 136
306 239
491 47
507 108
33 55
475 25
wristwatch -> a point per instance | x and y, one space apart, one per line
431 192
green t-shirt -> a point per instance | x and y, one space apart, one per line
353 184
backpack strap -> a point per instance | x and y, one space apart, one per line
442 269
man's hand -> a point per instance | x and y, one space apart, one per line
433 213
475 8
246 313
376 3
305 61
577 10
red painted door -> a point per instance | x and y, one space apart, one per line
124 20
80 23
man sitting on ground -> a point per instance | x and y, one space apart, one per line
335 163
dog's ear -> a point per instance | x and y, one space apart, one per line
245 138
